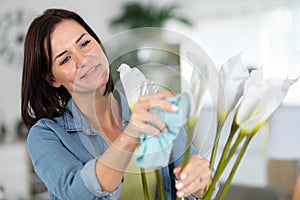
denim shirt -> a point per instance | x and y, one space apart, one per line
64 152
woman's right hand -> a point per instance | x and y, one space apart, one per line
143 121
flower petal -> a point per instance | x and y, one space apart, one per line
197 84
255 77
133 81
260 101
232 75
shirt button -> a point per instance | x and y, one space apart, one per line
87 131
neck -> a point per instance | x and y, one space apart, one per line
89 103
99 110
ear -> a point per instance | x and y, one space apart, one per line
51 80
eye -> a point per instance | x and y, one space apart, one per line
84 44
65 60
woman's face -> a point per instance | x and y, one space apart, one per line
78 62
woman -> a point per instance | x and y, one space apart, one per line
82 135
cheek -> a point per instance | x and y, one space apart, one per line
106 72
105 64
104 76
64 74
68 72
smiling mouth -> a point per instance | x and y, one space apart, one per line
90 72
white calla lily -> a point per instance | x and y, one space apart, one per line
197 85
260 101
198 89
255 76
134 83
254 100
233 75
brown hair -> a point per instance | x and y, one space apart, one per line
39 98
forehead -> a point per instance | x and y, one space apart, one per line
67 26
65 32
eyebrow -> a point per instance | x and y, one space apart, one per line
59 55
80 38
62 53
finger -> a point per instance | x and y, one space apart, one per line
140 118
139 123
195 169
198 183
151 124
136 128
164 105
159 95
177 171
191 177
196 186
156 104
150 130
158 122
157 101
192 188
143 118
201 179
195 166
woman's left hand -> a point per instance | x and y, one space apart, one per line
193 178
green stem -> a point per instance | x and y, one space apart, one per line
215 149
190 128
233 131
160 184
235 146
236 164
145 186
223 162
216 144
225 156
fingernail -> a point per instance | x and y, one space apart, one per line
179 185
164 129
183 176
174 108
180 194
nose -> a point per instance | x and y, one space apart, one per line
80 60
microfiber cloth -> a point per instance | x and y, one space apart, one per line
154 151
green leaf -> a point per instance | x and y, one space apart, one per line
137 15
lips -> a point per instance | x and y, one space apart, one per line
90 72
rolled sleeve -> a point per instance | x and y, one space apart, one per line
88 175
65 176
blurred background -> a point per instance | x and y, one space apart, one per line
266 32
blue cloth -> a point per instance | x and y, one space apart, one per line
154 151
